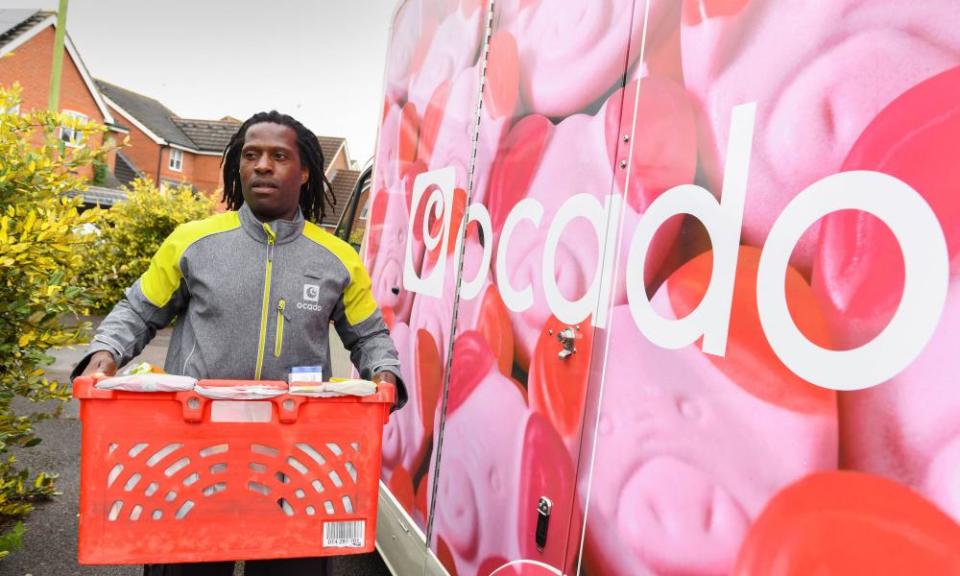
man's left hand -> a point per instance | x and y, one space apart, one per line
388 377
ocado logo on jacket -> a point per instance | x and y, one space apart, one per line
311 293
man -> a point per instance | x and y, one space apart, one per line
254 290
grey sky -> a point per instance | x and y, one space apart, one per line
318 60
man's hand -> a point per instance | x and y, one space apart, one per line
390 377
101 364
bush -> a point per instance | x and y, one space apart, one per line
40 254
100 171
126 236
356 237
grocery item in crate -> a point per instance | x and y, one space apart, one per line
142 378
335 387
240 390
305 374
142 368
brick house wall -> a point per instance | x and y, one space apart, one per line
167 174
154 160
206 174
361 217
30 65
142 150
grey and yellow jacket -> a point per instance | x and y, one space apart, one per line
251 300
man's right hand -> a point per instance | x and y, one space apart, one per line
102 364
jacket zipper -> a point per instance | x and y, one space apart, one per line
279 344
265 305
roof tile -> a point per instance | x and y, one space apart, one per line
147 111
208 135
15 22
343 184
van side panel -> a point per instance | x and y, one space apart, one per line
431 48
763 412
543 189
706 307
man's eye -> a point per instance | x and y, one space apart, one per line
249 156
280 156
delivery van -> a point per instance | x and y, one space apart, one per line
675 286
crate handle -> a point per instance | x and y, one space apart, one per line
288 407
193 406
386 393
85 387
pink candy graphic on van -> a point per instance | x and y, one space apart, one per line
453 141
905 429
819 72
387 240
702 462
573 51
495 465
692 446
406 435
453 48
398 144
582 155
484 312
850 523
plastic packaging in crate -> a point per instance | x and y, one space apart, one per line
176 477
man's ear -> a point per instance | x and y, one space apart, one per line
304 175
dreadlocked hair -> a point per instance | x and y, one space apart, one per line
315 195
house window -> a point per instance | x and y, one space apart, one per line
365 211
13 110
71 137
176 160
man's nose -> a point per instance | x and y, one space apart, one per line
263 165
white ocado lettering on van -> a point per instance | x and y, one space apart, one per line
899 206
312 307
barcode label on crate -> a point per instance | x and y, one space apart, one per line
347 534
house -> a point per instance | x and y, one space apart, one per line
171 149
339 170
162 145
165 147
26 55
343 183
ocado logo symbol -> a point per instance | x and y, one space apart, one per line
311 292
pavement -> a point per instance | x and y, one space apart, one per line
50 541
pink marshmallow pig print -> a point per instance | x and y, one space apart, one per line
386 245
690 446
585 155
451 139
452 46
481 309
572 52
407 435
819 72
498 459
908 428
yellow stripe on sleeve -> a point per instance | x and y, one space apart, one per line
358 301
162 278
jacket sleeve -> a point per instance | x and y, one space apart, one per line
150 304
361 327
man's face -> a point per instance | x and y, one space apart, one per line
270 171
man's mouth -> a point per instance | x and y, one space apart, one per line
261 186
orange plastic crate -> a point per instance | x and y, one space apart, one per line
176 477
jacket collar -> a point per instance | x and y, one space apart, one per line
283 230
